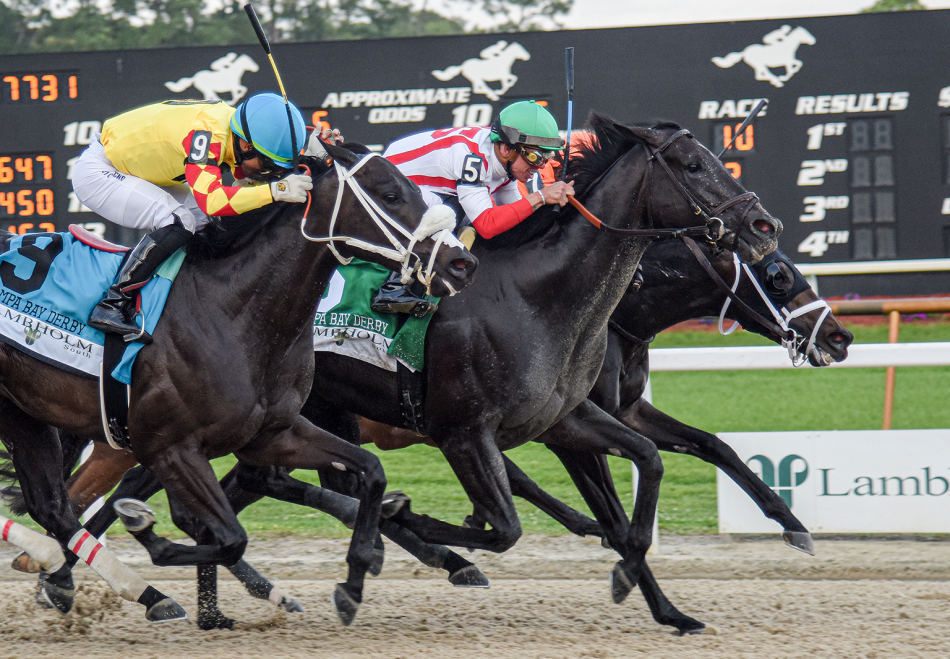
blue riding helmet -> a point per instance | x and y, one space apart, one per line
261 121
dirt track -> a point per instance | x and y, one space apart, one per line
549 598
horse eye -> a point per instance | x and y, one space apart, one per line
390 198
693 167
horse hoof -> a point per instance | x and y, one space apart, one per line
375 566
39 595
290 605
135 514
469 577
345 605
166 610
25 563
393 502
620 584
693 627
214 620
800 540
58 598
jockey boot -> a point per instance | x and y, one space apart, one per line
115 313
396 297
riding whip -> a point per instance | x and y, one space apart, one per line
758 108
259 31
569 75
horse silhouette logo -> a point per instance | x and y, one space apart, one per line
224 76
31 335
494 65
776 51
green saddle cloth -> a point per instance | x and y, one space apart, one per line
346 325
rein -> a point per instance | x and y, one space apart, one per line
431 225
712 230
778 325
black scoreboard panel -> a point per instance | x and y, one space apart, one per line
852 153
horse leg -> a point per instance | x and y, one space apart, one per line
591 475
98 475
671 435
305 446
479 467
37 458
574 521
589 429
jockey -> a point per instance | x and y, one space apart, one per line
159 168
475 170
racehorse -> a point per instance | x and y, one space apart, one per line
224 76
676 289
494 66
508 391
231 366
779 51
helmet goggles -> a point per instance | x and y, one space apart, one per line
534 157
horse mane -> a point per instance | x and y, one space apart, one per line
224 236
589 161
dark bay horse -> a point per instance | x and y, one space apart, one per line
230 368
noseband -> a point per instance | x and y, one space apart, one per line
797 345
712 230
441 227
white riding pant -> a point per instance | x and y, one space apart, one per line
131 201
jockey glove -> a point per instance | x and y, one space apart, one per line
292 188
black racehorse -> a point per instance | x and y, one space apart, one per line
772 297
513 359
554 289
230 367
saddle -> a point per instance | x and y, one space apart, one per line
92 240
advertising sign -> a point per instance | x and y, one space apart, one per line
856 481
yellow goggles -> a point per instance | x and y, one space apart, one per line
535 158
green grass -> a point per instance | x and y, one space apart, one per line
720 401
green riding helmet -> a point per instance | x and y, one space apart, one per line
527 123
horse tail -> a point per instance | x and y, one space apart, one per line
448 74
10 493
180 86
727 61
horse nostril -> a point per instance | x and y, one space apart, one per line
460 264
839 338
763 226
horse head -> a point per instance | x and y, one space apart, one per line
819 334
693 182
404 235
775 289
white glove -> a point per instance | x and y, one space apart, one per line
292 188
315 147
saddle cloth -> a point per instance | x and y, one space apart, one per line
49 283
346 325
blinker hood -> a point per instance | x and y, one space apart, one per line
780 278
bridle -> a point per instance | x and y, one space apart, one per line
714 227
799 348
435 223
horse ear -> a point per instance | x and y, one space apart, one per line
343 156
